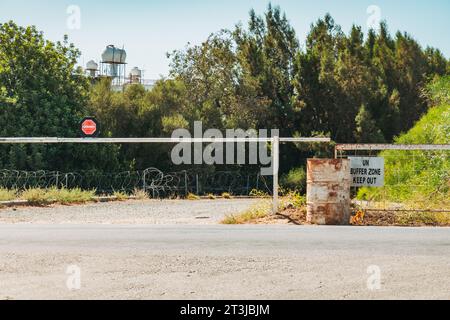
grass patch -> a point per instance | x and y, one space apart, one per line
36 196
258 194
293 202
120 196
423 219
140 194
63 196
8 195
192 196
227 195
294 180
211 196
255 212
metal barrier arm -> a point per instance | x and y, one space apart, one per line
274 140
53 140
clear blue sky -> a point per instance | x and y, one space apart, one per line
150 28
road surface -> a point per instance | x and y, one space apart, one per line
223 262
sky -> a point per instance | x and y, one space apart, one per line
148 29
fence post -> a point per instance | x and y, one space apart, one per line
197 185
57 179
144 183
276 165
185 183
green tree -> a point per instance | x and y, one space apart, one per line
42 93
366 128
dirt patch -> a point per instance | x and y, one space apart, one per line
289 216
297 216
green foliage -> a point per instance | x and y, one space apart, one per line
295 180
42 93
351 87
408 170
293 200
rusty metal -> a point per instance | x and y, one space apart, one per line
328 194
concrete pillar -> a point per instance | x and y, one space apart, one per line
328 191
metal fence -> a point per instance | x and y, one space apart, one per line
416 178
152 180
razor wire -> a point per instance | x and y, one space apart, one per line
152 180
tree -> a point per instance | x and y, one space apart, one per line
366 128
42 93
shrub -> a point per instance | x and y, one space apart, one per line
295 180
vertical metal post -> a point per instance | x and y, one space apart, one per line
197 187
144 182
57 179
276 166
185 183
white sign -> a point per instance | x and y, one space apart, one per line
367 171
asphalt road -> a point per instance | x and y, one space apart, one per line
223 262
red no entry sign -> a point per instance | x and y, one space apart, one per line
89 127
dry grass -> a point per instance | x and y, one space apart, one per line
7 195
140 194
227 195
192 196
256 212
63 196
401 218
292 209
120 196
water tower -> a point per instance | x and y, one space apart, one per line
135 75
92 68
113 64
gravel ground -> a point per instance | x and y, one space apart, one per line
223 262
130 212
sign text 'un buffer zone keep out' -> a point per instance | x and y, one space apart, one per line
367 171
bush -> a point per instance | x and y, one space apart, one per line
295 180
414 177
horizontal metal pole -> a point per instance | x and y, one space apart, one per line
379 147
52 140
